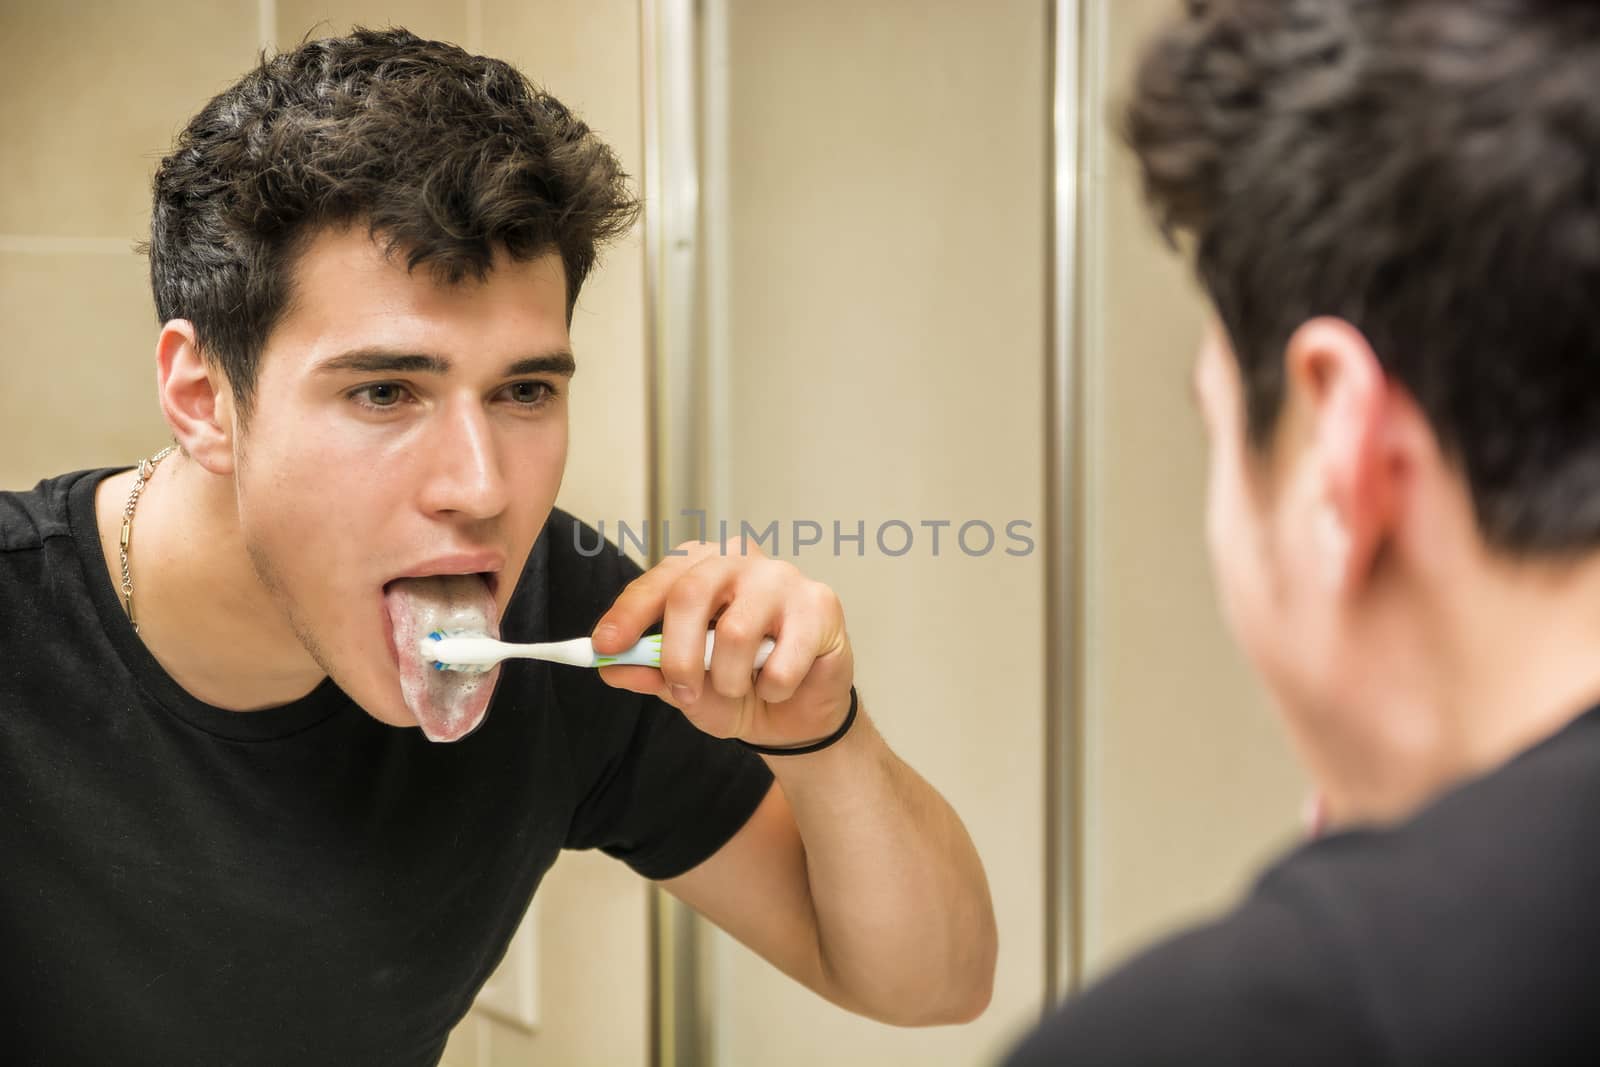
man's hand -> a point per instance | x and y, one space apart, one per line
853 875
801 695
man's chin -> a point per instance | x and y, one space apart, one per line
401 718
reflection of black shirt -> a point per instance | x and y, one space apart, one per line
1468 935
181 884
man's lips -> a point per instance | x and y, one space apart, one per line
486 565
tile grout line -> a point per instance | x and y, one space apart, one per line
60 244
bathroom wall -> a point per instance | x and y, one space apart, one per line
887 241
1187 783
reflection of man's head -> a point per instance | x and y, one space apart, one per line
1395 209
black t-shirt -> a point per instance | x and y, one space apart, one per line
1468 935
180 884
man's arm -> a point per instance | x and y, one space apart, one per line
853 875
855 878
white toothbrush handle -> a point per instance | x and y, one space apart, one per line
763 650
647 653
477 652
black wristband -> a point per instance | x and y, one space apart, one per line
815 746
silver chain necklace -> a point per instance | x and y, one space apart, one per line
147 467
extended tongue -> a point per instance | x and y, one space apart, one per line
448 705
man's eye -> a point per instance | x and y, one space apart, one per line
530 393
380 395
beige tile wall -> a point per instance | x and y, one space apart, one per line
94 93
888 337
79 365
443 20
106 86
1188 782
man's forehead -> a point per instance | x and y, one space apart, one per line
349 294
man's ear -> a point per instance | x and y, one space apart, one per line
1341 384
196 398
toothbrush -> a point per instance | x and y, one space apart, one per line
474 653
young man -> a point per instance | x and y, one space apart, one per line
223 839
1395 208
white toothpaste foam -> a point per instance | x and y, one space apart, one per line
448 705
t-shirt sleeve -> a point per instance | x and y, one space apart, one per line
662 796
1265 984
650 788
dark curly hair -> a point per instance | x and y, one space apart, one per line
1428 170
442 155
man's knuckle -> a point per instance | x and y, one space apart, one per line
822 599
737 629
688 591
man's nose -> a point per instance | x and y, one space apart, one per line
466 476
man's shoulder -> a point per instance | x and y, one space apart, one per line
29 518
1466 917
577 546
572 576
1265 983
1447 938
1515 833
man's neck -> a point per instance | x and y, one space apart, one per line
1496 660
202 611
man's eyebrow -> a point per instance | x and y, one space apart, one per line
559 363
385 361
